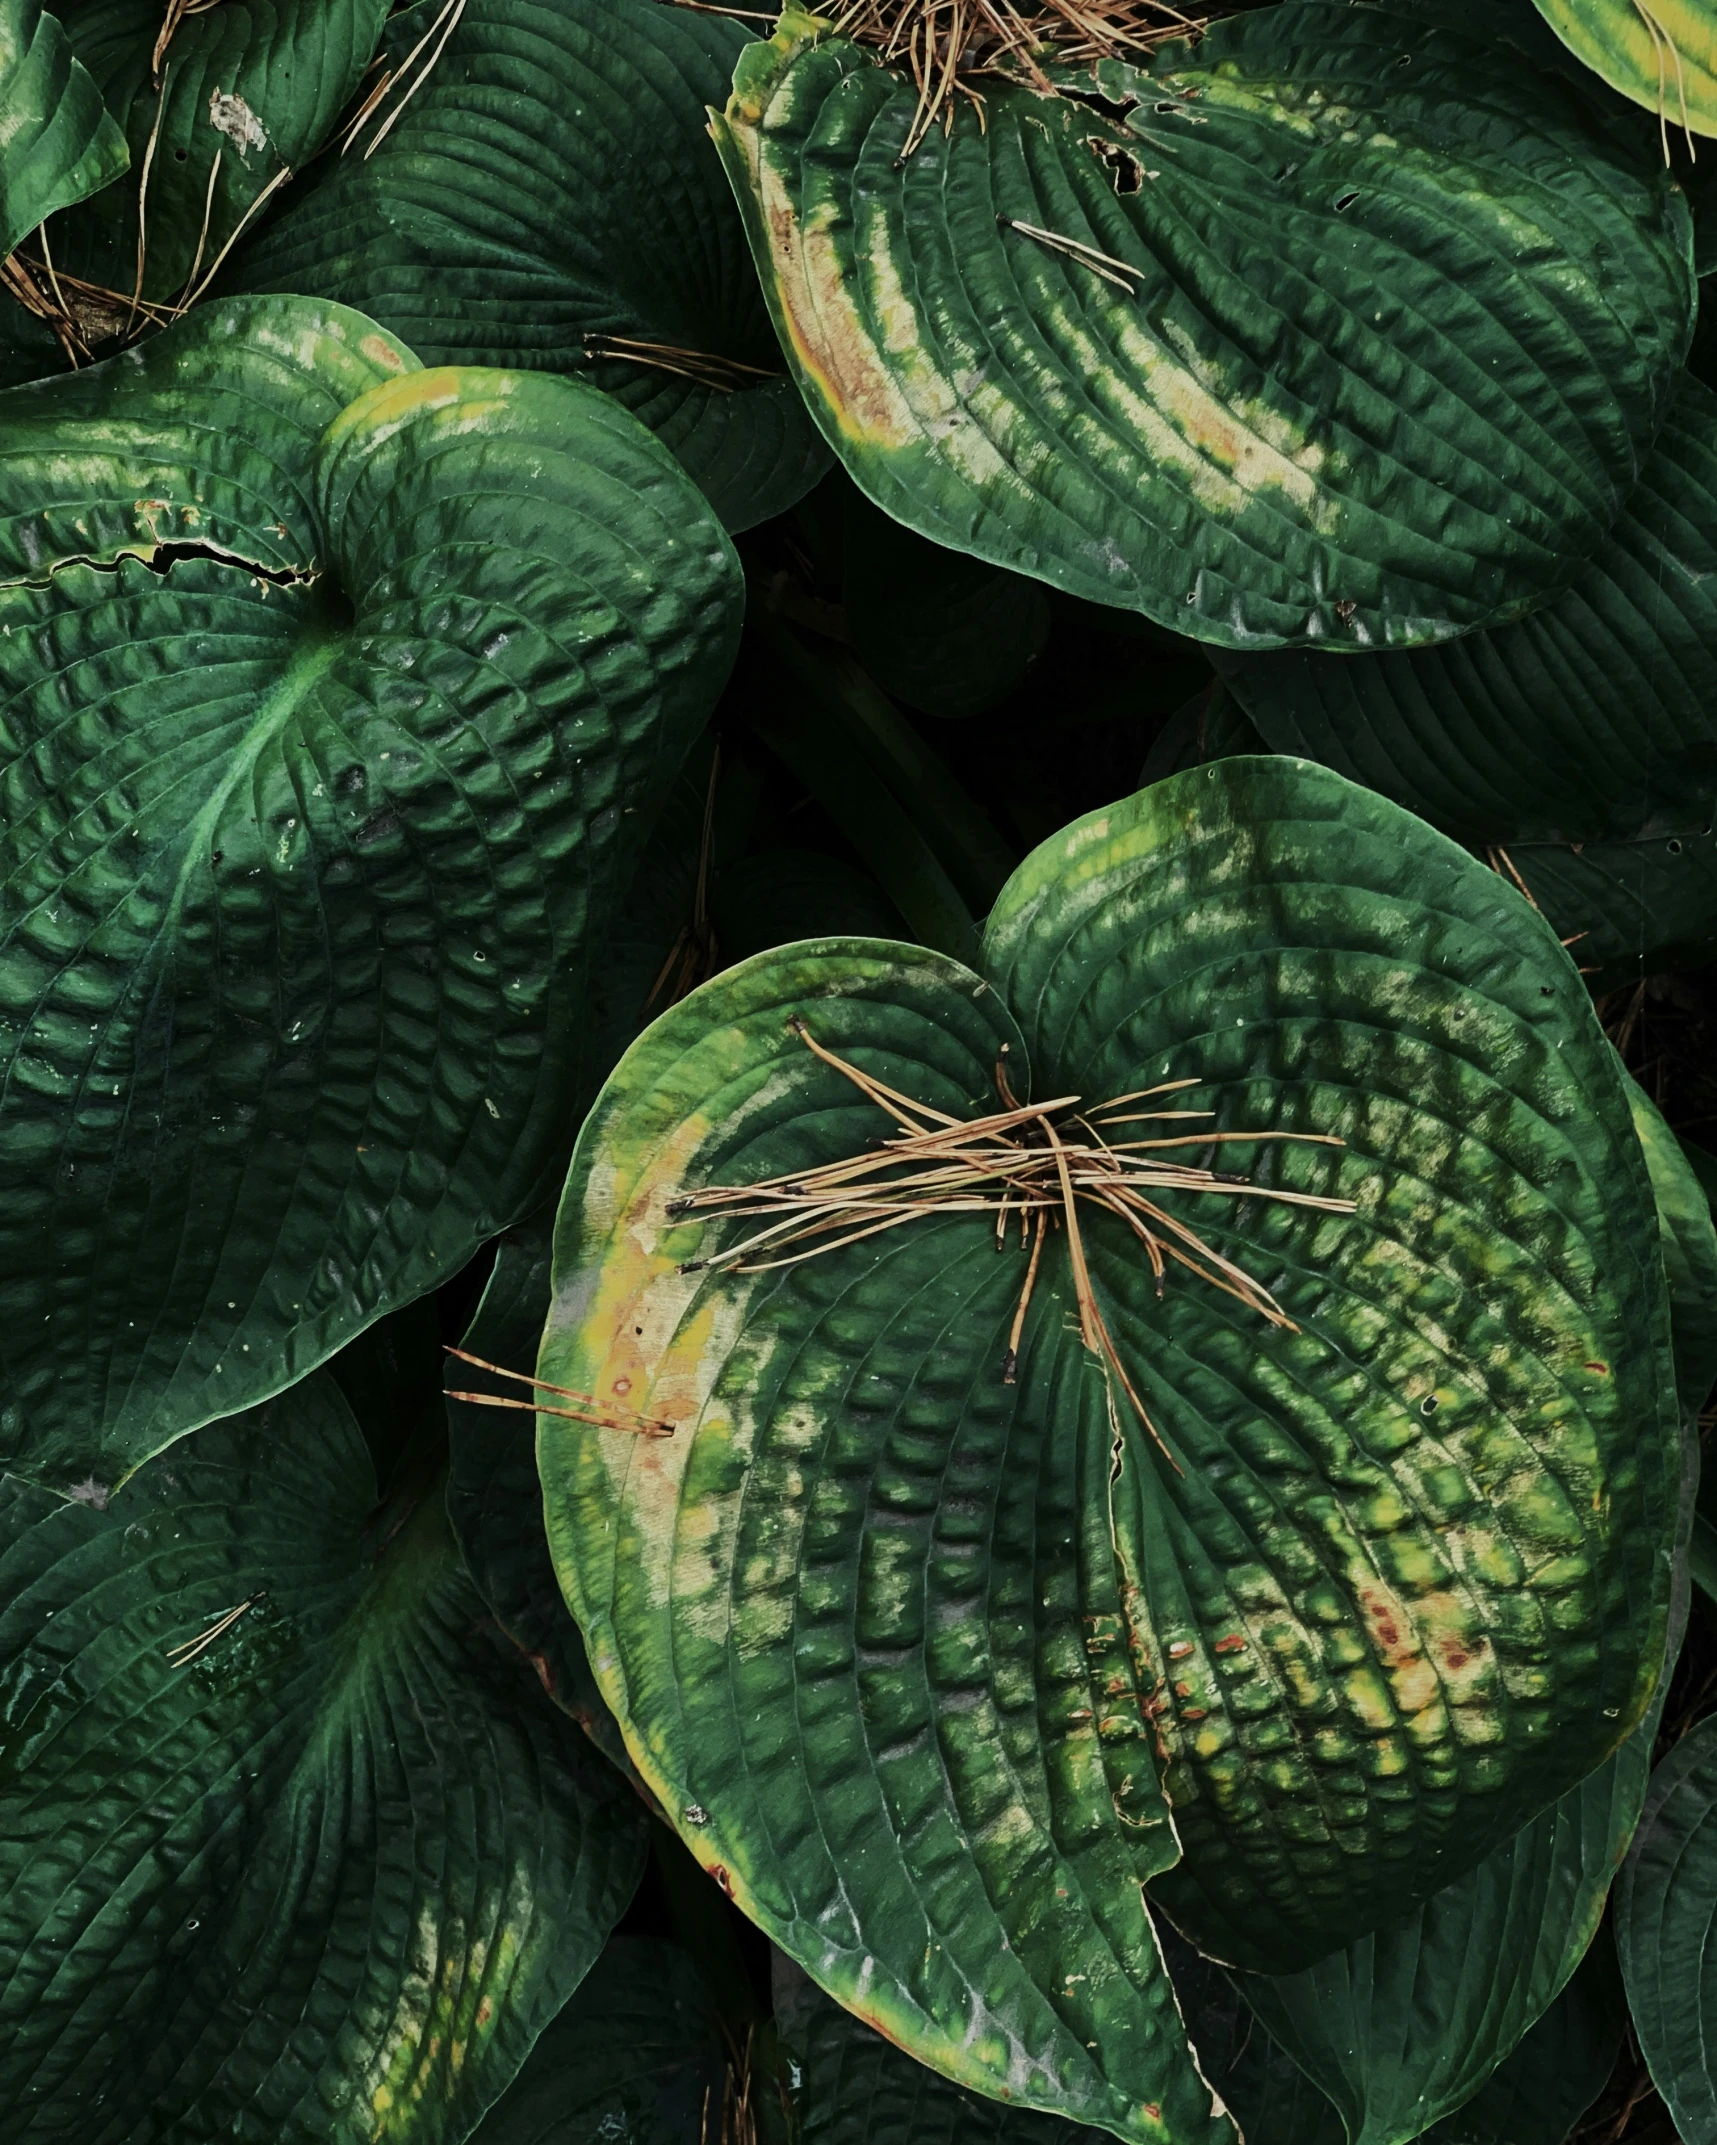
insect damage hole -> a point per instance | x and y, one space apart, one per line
1123 167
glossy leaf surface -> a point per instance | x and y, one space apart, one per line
214 114
58 142
549 199
1391 1580
1590 720
314 1874
1372 331
365 683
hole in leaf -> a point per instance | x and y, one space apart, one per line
1123 167
1675 848
1345 201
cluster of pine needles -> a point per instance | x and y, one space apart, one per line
1030 1165
949 46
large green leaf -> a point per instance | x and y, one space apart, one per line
58 142
1381 325
317 1873
330 709
1666 1905
636 2058
551 191
919 1659
1630 909
1664 56
1593 718
214 115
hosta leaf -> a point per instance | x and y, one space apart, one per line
1593 718
302 858
549 199
316 1873
1665 59
912 1654
855 2088
1558 2070
1630 909
1688 1239
1666 1903
58 142
628 2062
214 113
1382 323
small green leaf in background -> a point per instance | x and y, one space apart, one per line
218 105
549 199
911 1654
1268 340
292 1850
1666 1903
58 142
636 2058
378 675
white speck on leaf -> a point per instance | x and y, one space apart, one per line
234 118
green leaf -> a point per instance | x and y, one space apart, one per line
238 96
855 2088
549 192
1402 2028
1272 2100
1381 325
1630 910
1689 1243
1666 60
628 2062
912 1655
58 142
1592 720
1666 1902
328 706
312 1875
1558 2070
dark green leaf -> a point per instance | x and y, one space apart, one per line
1594 720
1378 327
302 859
312 1875
912 1654
855 2088
630 2060
1689 1243
551 192
938 628
58 142
215 114
1557 2072
1666 1904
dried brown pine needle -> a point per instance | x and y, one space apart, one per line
601 1414
1018 1161
727 376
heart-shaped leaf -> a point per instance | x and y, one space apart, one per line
1342 327
330 711
58 142
1666 1905
1664 56
291 1847
1592 719
219 105
549 199
961 1566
